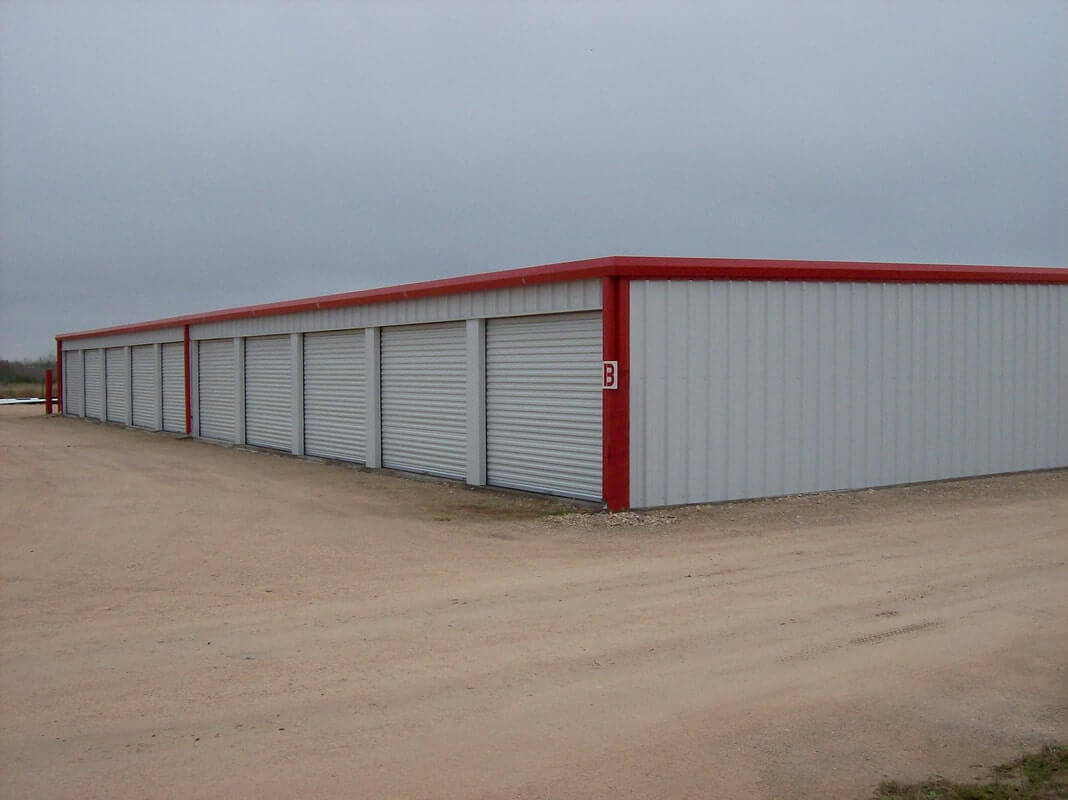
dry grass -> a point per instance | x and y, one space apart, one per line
21 389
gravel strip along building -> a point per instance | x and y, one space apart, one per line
632 381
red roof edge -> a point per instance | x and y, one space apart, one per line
633 267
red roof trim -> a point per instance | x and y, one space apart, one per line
633 267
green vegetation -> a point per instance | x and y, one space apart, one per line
561 511
24 378
26 370
1035 776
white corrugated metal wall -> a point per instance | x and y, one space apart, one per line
73 383
543 403
424 404
269 392
173 357
118 383
145 386
217 390
156 335
545 298
94 384
757 389
335 395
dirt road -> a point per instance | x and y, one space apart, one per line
186 620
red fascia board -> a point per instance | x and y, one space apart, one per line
642 267
632 267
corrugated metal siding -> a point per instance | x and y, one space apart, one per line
125 339
94 384
269 392
73 383
539 299
423 399
174 387
118 380
543 404
217 389
335 395
145 388
757 389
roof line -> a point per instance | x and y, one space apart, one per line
633 267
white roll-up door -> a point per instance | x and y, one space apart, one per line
73 383
269 392
335 395
94 385
118 380
174 387
543 404
217 388
145 389
423 399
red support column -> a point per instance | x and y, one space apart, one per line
615 403
48 391
188 394
59 374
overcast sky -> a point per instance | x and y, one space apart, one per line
163 158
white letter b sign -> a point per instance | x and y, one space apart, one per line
609 374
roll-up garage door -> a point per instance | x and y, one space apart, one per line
215 359
174 387
94 385
73 383
269 392
118 379
145 389
543 404
335 395
423 399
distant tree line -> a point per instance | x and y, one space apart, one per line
26 370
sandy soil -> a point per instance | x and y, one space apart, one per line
186 620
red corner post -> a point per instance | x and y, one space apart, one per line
188 395
615 396
48 391
59 375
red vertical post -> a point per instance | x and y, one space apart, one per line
188 395
48 391
59 374
615 402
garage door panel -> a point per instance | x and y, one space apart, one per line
543 404
217 390
424 401
145 388
335 395
73 383
269 392
118 383
174 387
94 390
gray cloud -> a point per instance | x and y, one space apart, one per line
157 159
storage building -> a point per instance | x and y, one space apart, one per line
632 381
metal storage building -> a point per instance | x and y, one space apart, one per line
632 381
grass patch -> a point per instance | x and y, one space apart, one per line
15 390
561 511
1035 776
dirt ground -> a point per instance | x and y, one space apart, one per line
186 620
